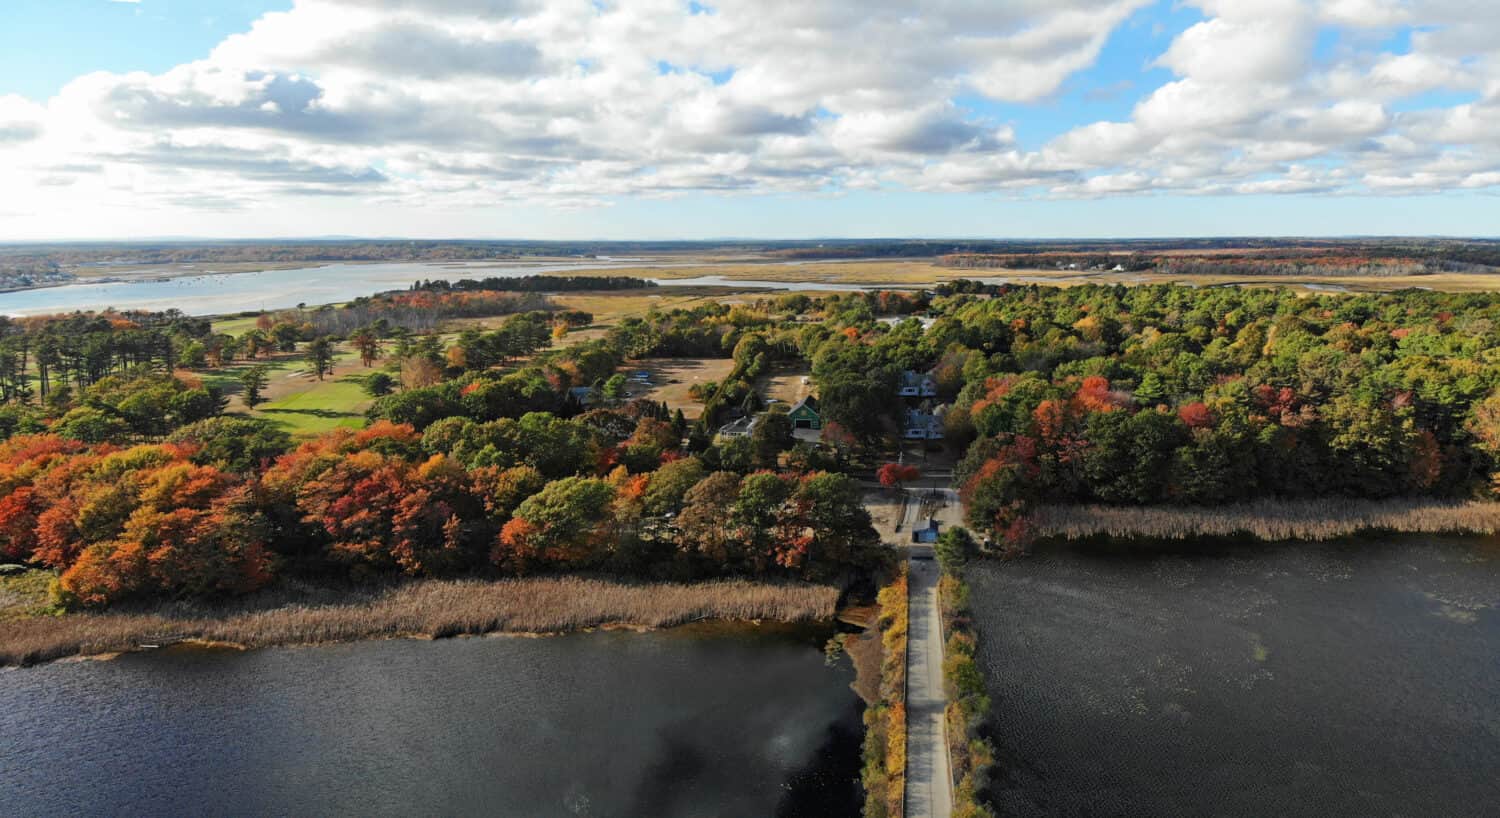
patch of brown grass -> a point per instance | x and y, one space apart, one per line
431 608
1269 519
673 379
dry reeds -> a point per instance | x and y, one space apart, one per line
429 608
1322 519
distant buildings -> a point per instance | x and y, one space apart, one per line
25 280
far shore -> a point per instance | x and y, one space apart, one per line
301 615
1269 520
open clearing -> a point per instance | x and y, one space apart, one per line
297 400
331 404
785 385
673 377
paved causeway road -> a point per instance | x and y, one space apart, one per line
929 781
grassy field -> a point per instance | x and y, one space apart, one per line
921 272
234 326
338 402
297 614
301 403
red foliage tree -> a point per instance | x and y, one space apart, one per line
894 475
1196 415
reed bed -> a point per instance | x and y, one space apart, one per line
432 608
1271 520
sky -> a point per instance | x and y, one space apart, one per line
655 119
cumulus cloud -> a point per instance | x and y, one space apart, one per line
20 120
573 102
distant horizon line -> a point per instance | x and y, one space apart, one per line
747 239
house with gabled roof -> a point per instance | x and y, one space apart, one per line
922 424
740 428
917 385
804 414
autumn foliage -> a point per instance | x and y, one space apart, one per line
123 522
151 520
895 475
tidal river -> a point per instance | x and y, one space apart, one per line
699 721
221 293
1351 679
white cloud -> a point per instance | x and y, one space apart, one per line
567 103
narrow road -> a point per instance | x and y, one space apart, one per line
929 780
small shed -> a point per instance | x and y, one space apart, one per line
928 534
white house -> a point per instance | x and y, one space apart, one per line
739 428
917 385
923 425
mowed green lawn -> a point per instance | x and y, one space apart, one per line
322 407
235 326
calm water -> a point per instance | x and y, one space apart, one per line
216 294
691 722
1359 679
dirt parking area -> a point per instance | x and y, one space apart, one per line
785 385
671 378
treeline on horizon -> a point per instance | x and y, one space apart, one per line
51 257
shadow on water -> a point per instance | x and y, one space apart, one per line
705 720
829 784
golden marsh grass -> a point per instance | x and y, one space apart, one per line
431 608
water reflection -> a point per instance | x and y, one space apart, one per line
682 723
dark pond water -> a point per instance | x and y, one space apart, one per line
690 722
1351 679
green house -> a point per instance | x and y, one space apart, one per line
804 414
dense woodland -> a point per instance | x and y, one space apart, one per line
122 472
128 480
1161 394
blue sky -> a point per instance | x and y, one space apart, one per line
572 119
46 43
